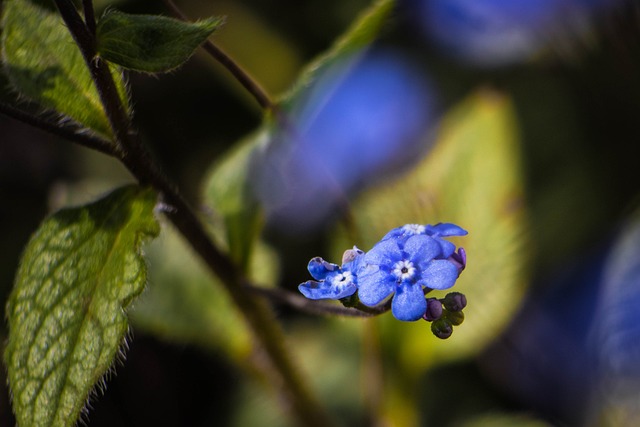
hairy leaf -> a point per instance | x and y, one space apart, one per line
44 64
66 314
150 43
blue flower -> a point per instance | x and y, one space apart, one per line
403 265
333 281
492 33
436 231
364 116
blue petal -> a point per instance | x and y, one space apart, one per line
374 285
439 274
385 253
446 229
447 248
396 232
409 303
320 268
326 290
406 230
421 249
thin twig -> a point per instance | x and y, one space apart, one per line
240 74
71 133
136 158
308 306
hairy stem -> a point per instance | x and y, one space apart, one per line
71 133
315 307
136 158
250 84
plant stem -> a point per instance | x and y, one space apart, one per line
249 83
313 307
136 158
70 133
89 16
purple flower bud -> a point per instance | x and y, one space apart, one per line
459 259
454 301
434 310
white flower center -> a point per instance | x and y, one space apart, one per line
404 270
412 229
343 278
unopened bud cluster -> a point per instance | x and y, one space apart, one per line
445 313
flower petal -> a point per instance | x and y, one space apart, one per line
320 268
421 249
326 290
409 303
385 252
447 248
374 285
446 229
439 274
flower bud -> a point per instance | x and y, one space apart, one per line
455 317
442 328
454 301
434 310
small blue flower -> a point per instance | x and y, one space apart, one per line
402 265
333 281
436 231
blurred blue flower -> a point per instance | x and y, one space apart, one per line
501 32
402 267
364 116
333 281
572 352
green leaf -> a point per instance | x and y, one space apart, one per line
361 34
66 314
472 177
43 63
150 43
227 191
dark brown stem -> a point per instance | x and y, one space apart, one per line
249 83
89 16
315 307
136 158
72 133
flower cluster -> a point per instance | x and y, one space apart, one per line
408 262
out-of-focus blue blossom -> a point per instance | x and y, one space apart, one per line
365 116
402 267
616 338
333 281
573 350
501 32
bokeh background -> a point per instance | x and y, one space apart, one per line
523 129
